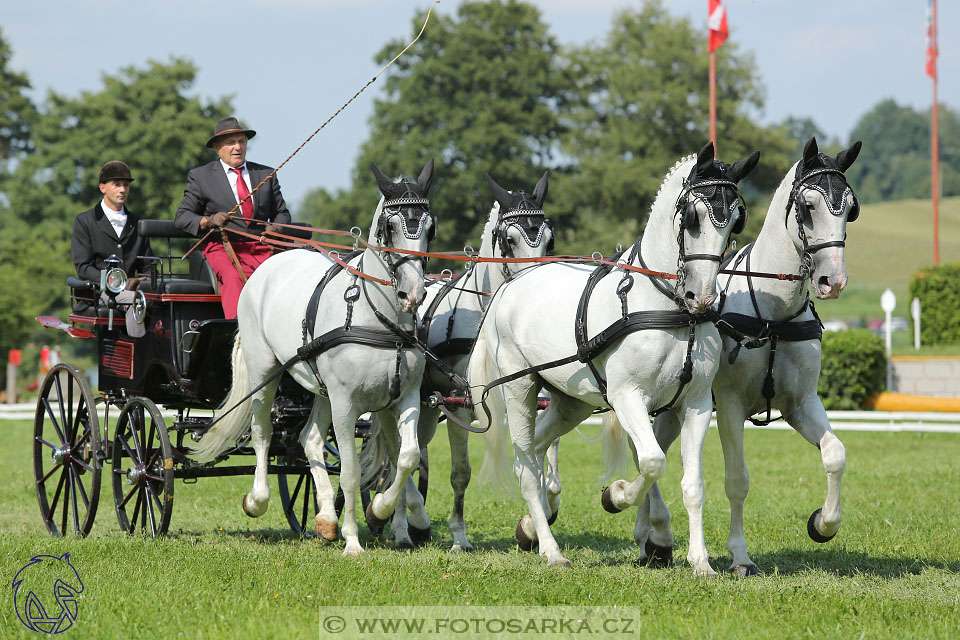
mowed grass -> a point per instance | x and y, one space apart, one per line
892 572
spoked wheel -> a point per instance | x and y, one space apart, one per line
142 469
298 492
67 458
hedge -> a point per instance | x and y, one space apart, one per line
938 288
853 368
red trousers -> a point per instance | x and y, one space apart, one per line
250 254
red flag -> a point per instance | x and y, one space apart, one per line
931 39
717 22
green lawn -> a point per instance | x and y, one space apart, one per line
892 572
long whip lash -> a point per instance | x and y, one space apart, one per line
328 120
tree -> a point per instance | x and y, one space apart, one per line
143 117
642 104
896 162
17 112
478 92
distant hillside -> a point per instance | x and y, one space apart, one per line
885 246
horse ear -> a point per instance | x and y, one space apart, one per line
499 193
540 191
426 177
846 157
740 170
810 151
705 158
386 184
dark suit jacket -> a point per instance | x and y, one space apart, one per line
94 240
208 191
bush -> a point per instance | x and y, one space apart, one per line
938 288
853 368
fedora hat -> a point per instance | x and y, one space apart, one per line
226 126
115 170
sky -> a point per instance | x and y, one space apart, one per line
290 64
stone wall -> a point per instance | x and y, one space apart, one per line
926 376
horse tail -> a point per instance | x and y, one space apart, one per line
497 467
616 447
231 425
374 456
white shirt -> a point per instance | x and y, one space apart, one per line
232 178
117 218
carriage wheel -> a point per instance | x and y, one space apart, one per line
298 493
142 469
67 458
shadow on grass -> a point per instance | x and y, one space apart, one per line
843 563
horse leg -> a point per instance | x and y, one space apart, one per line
261 431
312 437
417 518
652 531
810 420
730 417
696 421
384 504
521 408
460 472
344 427
651 461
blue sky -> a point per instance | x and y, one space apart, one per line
289 64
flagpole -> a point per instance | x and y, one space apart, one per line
713 101
935 152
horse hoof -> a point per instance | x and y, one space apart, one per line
524 541
553 517
658 557
461 548
372 520
744 570
247 510
815 535
404 545
418 535
607 501
327 530
560 562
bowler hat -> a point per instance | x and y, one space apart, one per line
226 126
115 170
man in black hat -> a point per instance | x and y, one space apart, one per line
109 229
214 190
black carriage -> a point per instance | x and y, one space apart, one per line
181 363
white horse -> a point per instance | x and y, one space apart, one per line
803 233
533 321
354 355
449 320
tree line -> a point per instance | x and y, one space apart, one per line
487 89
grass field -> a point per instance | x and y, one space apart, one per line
892 572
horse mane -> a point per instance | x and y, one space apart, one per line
674 170
491 220
778 203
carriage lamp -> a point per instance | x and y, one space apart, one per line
113 278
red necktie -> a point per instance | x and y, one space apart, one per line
242 193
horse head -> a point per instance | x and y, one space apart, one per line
518 227
404 221
823 203
710 211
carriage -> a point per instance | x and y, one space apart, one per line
180 364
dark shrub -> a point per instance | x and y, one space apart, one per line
854 367
938 288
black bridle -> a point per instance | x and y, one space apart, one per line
804 181
415 218
526 211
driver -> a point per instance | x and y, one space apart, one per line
110 229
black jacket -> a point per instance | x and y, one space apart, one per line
94 240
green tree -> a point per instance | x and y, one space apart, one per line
141 116
17 112
479 92
642 104
896 164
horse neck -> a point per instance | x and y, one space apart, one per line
774 251
382 297
658 245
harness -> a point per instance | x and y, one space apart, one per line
739 325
